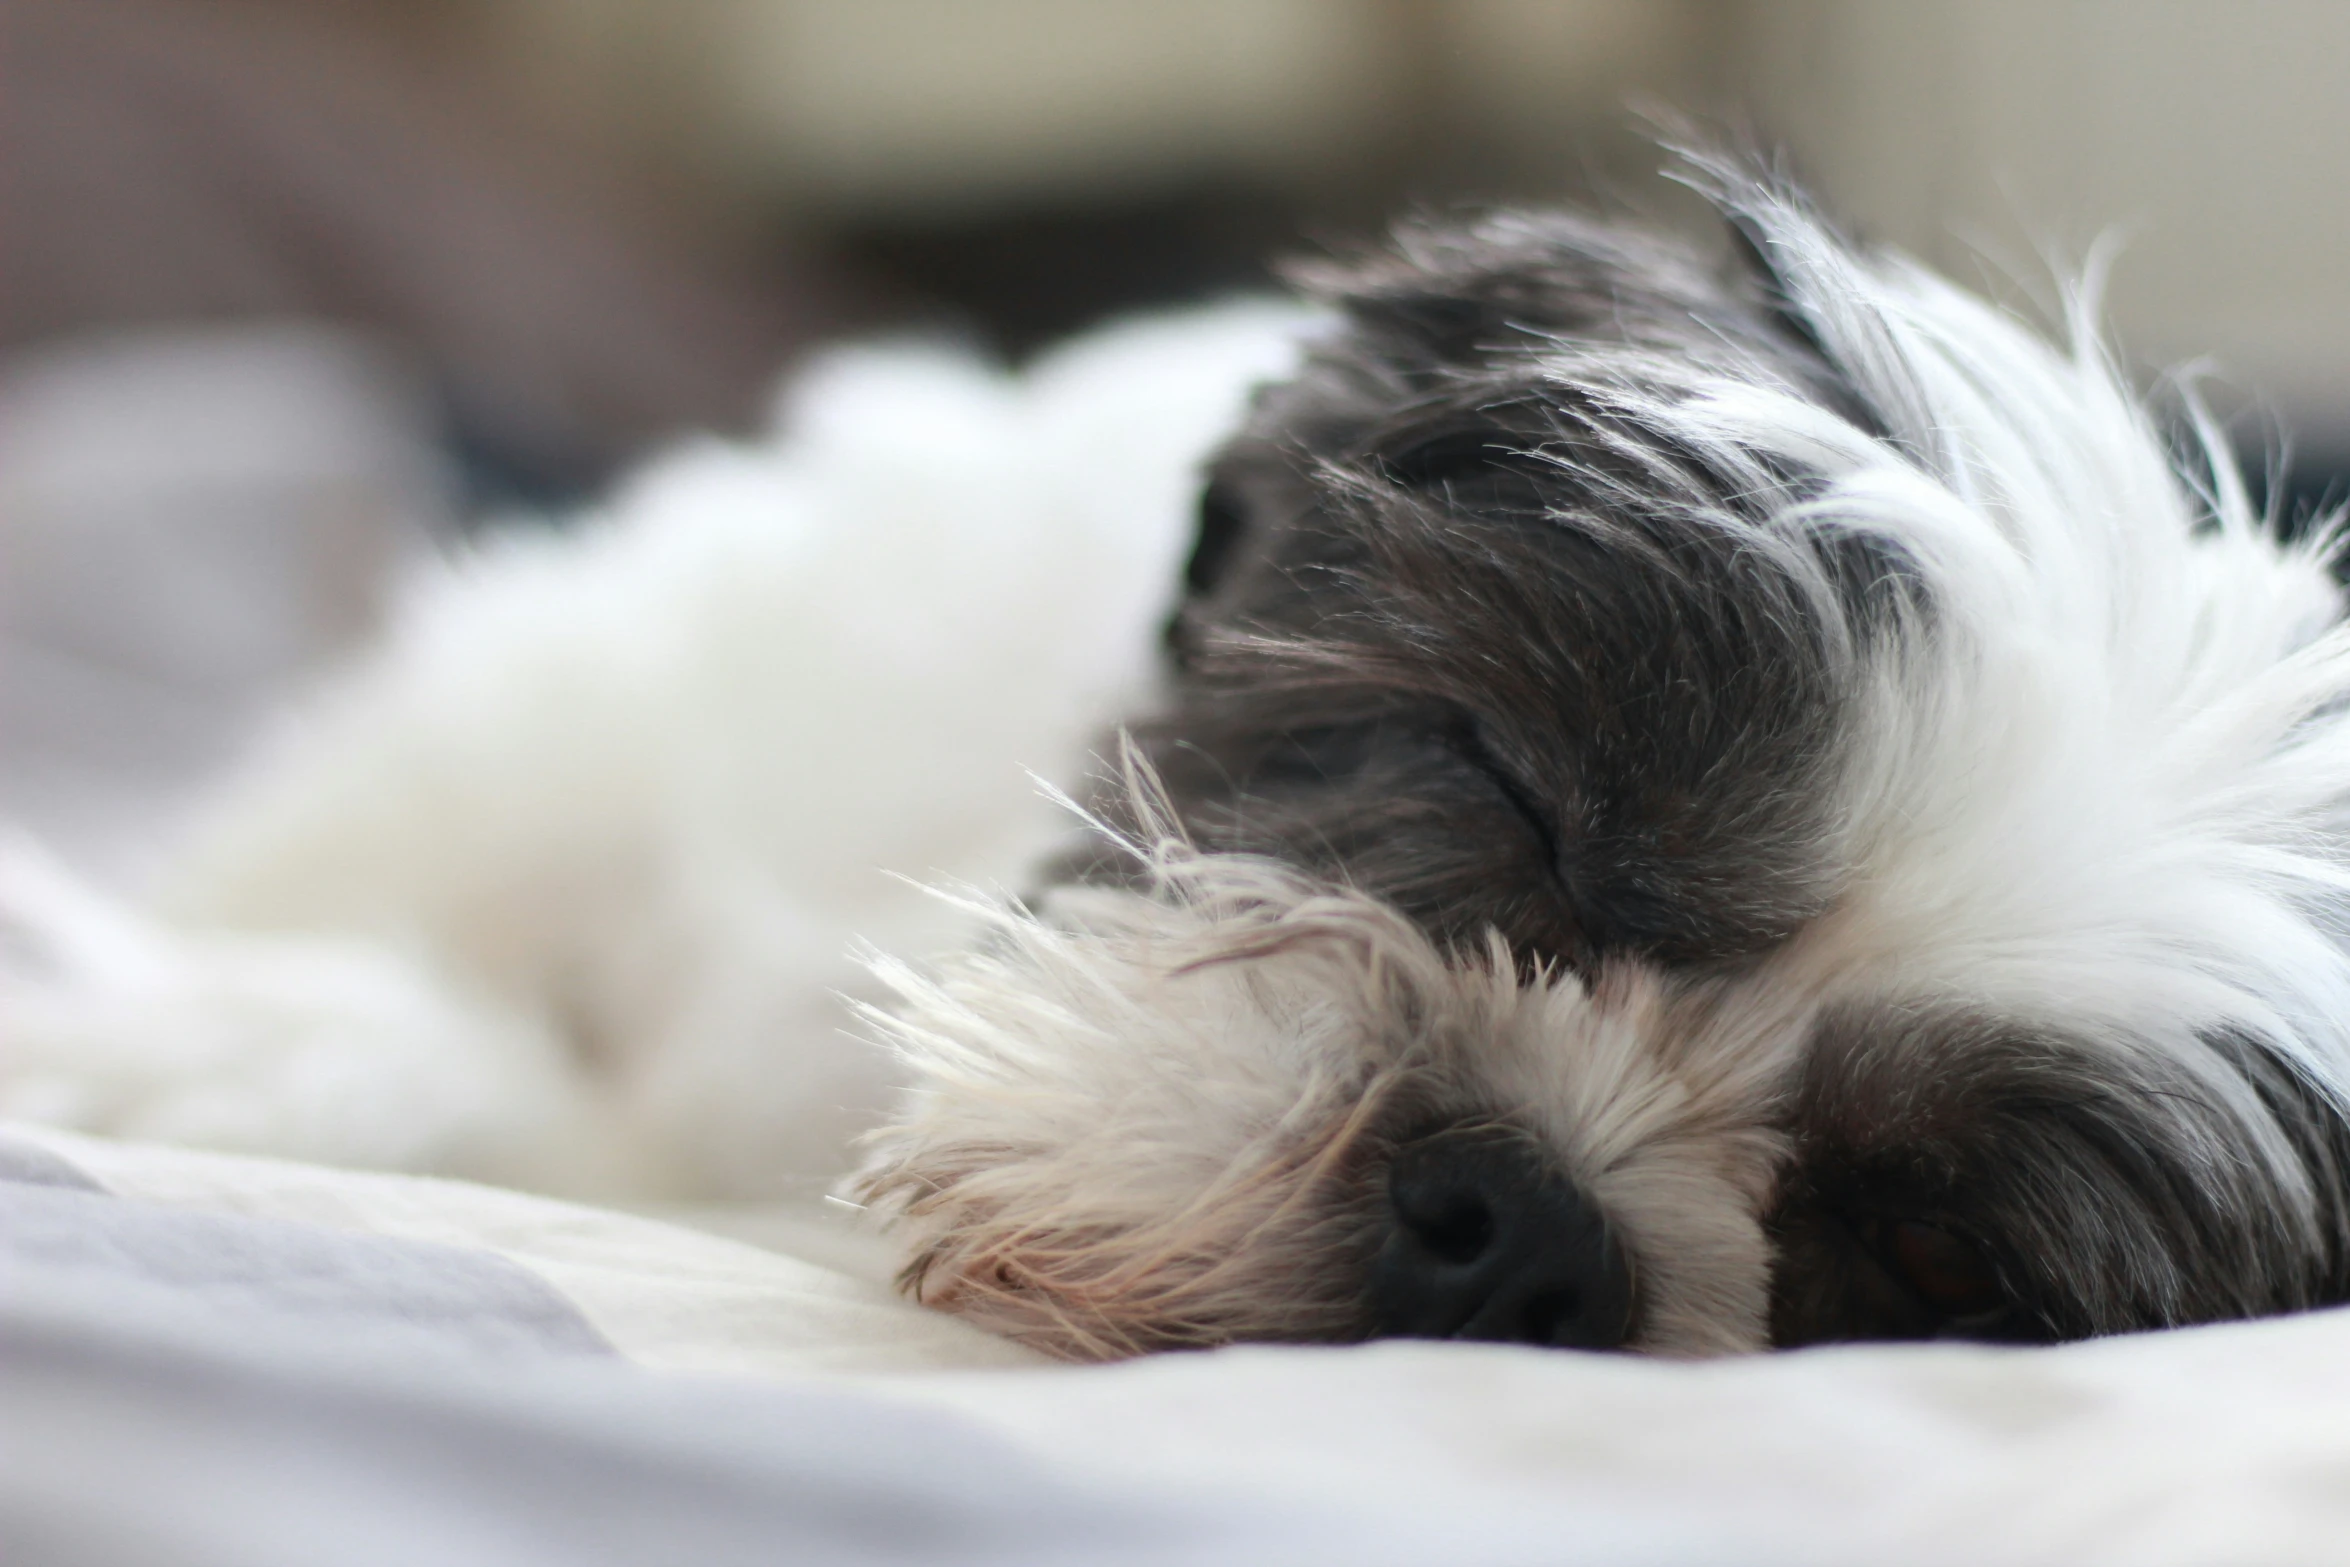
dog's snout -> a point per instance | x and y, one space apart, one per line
1489 1241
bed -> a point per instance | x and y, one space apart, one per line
206 1358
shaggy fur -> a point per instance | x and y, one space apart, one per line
1792 748
1147 1119
557 887
1780 761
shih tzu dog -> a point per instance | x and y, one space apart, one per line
1688 809
1691 813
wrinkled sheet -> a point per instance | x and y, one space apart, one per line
206 1359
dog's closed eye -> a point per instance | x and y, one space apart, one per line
1473 744
1327 753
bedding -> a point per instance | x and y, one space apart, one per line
215 1359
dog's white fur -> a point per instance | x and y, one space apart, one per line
610 806
558 887
2095 784
1128 1109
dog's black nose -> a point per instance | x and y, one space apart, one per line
1491 1242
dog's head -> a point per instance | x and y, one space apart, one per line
1692 812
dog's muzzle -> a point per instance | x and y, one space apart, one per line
1491 1242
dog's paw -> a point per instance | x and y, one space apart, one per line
337 1051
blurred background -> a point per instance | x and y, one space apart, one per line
292 289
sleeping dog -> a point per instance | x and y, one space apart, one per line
1691 813
1687 807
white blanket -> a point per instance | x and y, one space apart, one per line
2215 1445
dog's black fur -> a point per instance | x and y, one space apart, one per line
1471 643
1475 643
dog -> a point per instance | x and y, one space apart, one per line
1691 813
1686 807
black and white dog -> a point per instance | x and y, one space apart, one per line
1692 813
1690 810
